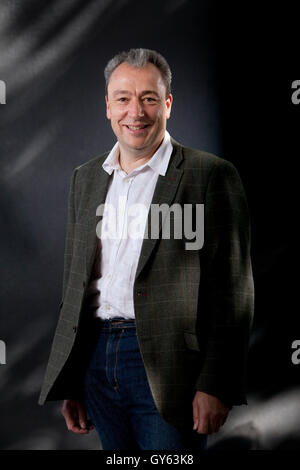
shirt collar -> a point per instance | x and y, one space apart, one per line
158 162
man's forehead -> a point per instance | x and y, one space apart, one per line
127 73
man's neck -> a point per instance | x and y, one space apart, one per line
130 161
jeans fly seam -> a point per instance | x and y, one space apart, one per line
115 369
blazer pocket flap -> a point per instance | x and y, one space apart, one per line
191 340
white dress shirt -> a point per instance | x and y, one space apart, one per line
120 248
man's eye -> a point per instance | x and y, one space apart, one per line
122 100
149 100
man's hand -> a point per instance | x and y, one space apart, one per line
209 413
75 416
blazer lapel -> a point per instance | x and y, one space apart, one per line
164 193
98 188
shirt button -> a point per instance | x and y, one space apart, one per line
109 276
107 307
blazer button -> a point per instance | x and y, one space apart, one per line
74 328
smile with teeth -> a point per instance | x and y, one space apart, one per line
136 128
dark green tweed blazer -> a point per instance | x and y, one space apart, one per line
194 308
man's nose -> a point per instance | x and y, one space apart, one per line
135 109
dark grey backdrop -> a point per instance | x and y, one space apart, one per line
231 97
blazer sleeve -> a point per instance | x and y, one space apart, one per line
226 292
69 240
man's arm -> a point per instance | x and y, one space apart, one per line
226 297
73 411
71 219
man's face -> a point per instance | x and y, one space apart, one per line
137 107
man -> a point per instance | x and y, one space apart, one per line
152 338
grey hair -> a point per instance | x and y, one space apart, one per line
140 58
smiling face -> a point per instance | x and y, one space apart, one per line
137 107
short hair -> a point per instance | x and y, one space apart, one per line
140 58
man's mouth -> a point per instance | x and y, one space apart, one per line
136 128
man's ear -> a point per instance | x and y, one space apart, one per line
107 107
169 101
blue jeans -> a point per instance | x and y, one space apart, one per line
118 399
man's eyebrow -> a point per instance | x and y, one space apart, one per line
150 92
145 92
121 92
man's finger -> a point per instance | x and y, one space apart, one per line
72 423
69 418
78 430
195 415
82 416
203 427
71 415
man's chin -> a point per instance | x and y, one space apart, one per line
137 145
137 149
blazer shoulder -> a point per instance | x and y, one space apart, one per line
90 165
197 159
